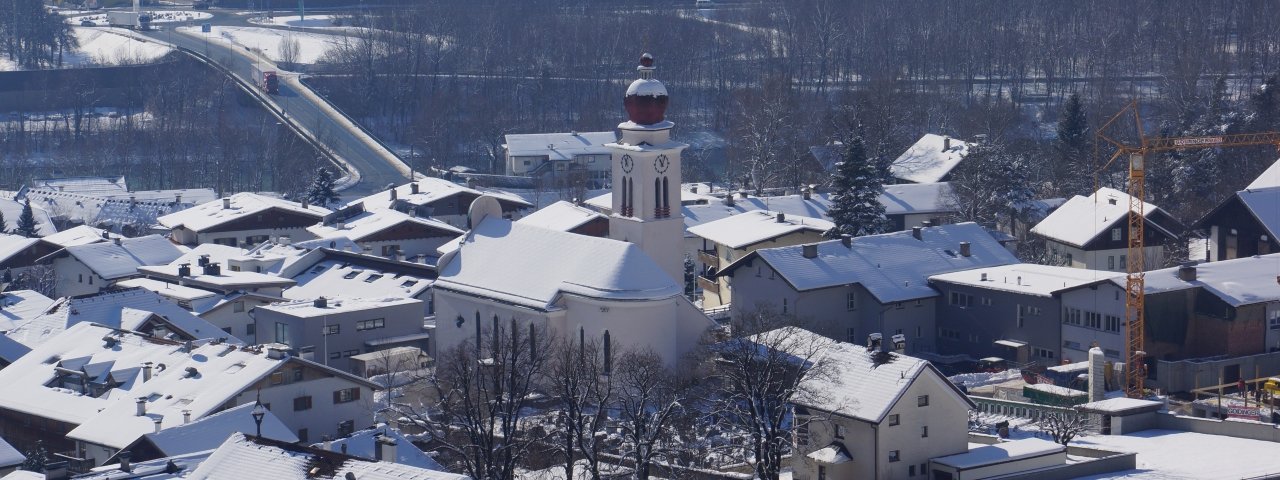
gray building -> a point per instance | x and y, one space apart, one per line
331 331
1009 311
851 288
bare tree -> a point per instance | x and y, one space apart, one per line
652 397
1066 425
290 50
579 374
483 389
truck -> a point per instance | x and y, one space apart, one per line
134 20
270 82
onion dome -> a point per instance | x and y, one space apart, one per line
646 100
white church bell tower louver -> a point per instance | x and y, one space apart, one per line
646 176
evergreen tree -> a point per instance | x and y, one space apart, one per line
690 276
37 457
992 186
1266 106
321 192
1072 171
27 222
857 185
2 223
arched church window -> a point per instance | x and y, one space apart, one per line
608 350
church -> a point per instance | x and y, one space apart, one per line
623 291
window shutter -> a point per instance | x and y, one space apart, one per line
337 396
355 393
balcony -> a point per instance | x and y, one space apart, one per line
709 258
708 285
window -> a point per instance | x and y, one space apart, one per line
376 323
1112 353
256 239
822 472
282 332
961 299
1111 262
1273 320
949 334
1115 234
895 455
81 278
851 335
919 331
1113 323
1124 263
1042 352
226 329
351 275
839 431
851 301
1093 320
302 403
924 431
90 279
297 374
922 401
986 301
389 250
924 467
346 395
1072 345
237 307
350 353
332 329
346 428
911 471
784 306
335 355
228 241
893 420
251 329
277 378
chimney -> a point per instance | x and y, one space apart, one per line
212 268
184 270
105 235
743 193
1019 279
202 261
693 189
393 193
413 188
965 251
916 233
226 203
385 449
946 143
926 223
846 240
157 424
899 343
276 353
320 302
728 199
984 276
142 406
133 202
810 250
807 195
782 218
1097 374
1187 272
125 465
305 202
146 371
177 198
186 417
117 240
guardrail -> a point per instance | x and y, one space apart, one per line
303 80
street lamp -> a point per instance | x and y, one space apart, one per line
259 411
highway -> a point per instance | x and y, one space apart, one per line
375 166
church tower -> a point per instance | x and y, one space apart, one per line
646 176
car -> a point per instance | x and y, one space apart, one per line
87 23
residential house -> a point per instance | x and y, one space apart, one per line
94 390
850 288
538 154
19 306
244 457
332 330
231 311
442 200
18 254
243 220
106 202
930 160
874 414
81 235
323 272
89 269
204 434
1245 224
387 233
726 240
1226 308
1093 314
567 217
12 210
1093 232
136 310
371 443
1009 311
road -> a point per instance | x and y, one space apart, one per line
376 166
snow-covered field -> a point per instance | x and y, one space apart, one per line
111 46
1168 454
312 21
311 46
173 16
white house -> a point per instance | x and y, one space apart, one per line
91 268
931 159
1093 232
567 217
243 219
441 199
389 233
728 239
134 309
556 153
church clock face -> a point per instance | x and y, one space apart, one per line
627 163
661 163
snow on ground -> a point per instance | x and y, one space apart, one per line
312 21
1169 454
165 16
979 379
311 46
110 46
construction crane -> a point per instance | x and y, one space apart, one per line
1135 283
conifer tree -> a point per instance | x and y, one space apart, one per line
1071 167
857 185
2 223
27 222
321 192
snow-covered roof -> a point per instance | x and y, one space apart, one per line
361 444
209 432
367 224
127 309
115 211
1172 454
13 245
197 298
1003 452
211 214
167 468
1269 178
80 235
915 198
95 186
200 380
647 87
18 306
1264 203
225 279
243 457
111 260
1240 281
559 146
533 266
1120 404
431 190
334 274
11 350
833 454
850 382
1056 390
12 211
893 267
10 456
1026 278
757 226
307 308
1082 219
926 161
562 216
